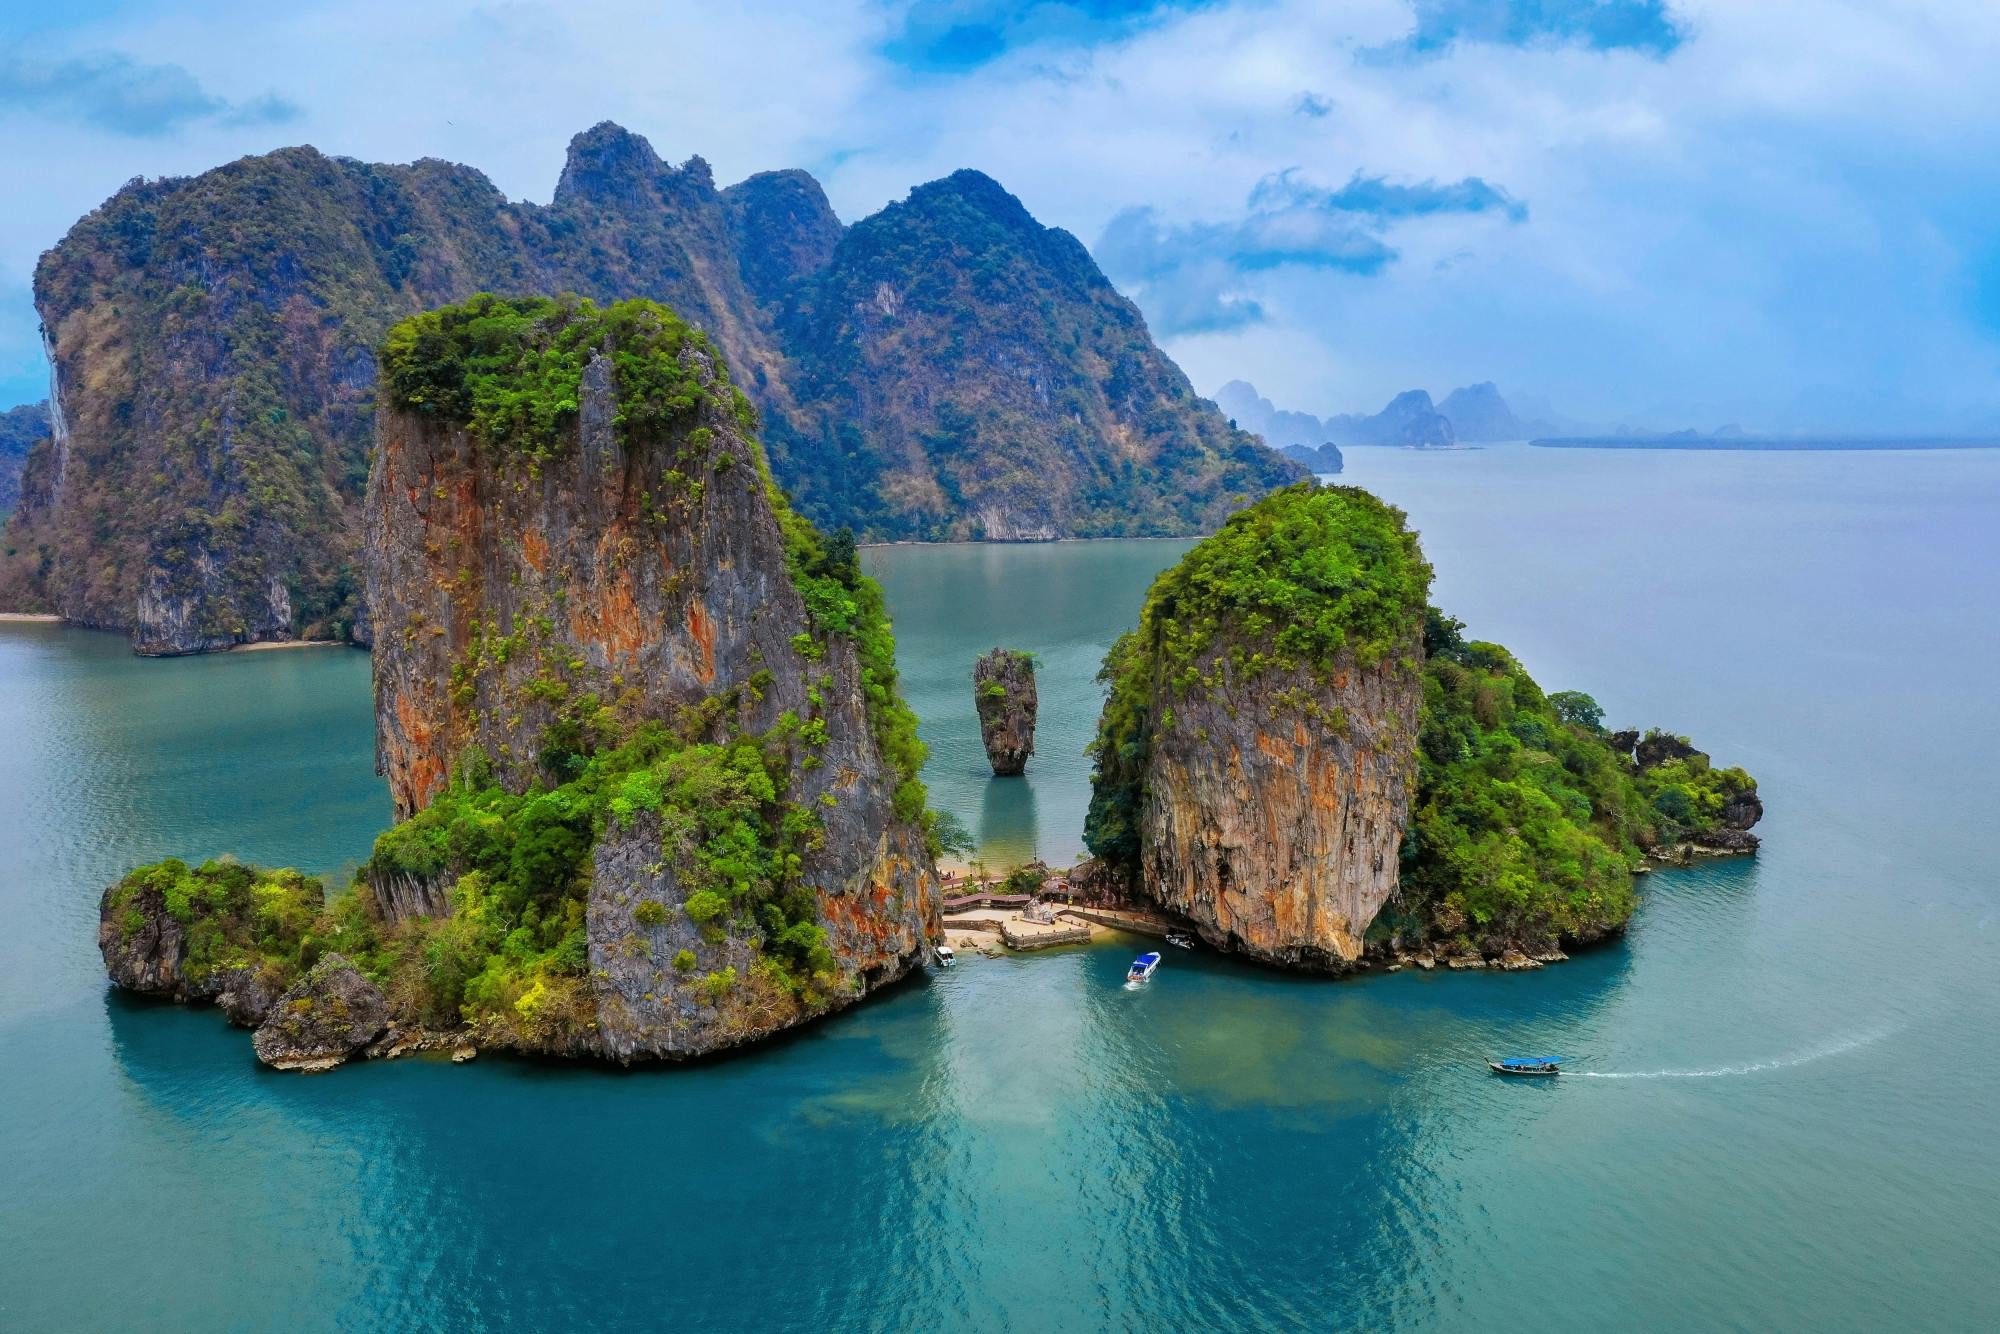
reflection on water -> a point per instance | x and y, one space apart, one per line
1064 602
1007 822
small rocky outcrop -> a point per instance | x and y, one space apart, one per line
1003 690
327 1016
1257 752
146 949
145 946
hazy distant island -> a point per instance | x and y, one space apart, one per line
1471 414
1737 439
21 430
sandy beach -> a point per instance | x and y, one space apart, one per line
290 643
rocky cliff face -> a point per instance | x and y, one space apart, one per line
969 373
1257 754
213 346
542 600
1003 692
1273 827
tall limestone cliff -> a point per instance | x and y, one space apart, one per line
656 786
586 586
1257 754
948 368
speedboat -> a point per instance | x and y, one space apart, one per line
945 957
1180 940
1526 1065
1142 967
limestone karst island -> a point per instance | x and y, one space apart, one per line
658 789
938 665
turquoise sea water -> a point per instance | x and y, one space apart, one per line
1788 1119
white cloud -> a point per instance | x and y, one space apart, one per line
1797 195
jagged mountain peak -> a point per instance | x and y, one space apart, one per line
608 163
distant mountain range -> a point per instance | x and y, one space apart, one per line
947 368
1474 414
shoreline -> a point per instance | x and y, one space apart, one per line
1022 541
266 645
29 618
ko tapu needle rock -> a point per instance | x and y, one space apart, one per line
1304 761
657 785
1003 693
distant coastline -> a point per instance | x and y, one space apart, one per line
1755 443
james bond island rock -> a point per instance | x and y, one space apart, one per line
1257 751
1003 690
1305 761
658 785
948 368
327 1015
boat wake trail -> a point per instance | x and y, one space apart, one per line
1758 1068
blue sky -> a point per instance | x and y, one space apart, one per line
1661 212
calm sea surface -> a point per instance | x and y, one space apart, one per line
1790 1121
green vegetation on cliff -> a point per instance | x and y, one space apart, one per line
510 370
962 371
511 959
1529 818
232 915
512 956
1310 577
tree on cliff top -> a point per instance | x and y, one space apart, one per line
1307 579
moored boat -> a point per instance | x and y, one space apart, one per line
1180 940
1526 1065
945 957
1142 967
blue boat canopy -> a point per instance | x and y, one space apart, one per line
1144 957
1529 1062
